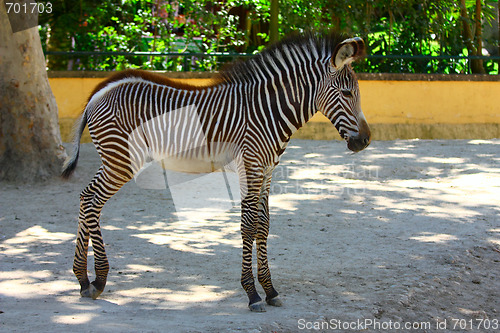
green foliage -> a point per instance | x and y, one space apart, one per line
389 27
394 27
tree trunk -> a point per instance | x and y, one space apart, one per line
476 64
391 23
274 21
30 142
479 40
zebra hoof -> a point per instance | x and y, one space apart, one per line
85 292
91 292
275 301
94 292
257 307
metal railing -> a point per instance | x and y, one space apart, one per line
220 58
373 63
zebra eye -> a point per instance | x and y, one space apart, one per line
346 93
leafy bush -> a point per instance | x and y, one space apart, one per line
401 35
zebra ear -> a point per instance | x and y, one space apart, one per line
348 51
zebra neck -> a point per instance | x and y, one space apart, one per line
291 96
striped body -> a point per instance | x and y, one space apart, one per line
179 136
247 116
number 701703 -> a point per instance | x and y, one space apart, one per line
28 7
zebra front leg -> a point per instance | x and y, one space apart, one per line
247 279
263 272
248 232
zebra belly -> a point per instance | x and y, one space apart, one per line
194 165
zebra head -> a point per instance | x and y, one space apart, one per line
338 95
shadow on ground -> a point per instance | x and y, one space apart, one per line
403 232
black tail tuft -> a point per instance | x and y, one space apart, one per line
70 165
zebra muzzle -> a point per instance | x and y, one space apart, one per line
358 143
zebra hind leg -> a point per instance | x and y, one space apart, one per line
82 245
96 194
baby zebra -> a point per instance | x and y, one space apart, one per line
247 115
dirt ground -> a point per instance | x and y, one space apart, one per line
404 235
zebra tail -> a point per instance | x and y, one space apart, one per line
70 164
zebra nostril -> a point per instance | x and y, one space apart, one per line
358 143
364 139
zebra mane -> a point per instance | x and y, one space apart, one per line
310 45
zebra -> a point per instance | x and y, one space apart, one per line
247 114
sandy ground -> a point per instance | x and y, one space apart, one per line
403 233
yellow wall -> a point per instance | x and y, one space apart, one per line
430 102
72 93
408 108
